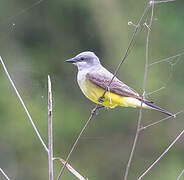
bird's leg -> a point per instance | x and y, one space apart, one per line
101 99
109 94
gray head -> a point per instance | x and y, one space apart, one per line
85 60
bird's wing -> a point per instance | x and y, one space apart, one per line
103 78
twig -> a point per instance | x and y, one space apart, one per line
93 113
181 174
143 89
23 105
116 71
164 1
166 59
71 169
50 138
128 48
157 122
4 174
134 143
159 158
149 93
25 10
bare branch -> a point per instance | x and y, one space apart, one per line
149 93
24 10
116 71
151 3
128 48
4 174
93 113
167 59
164 1
50 138
143 89
134 143
71 169
160 157
181 174
157 122
23 105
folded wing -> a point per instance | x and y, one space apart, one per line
102 79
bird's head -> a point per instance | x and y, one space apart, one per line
85 60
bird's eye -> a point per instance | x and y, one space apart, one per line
82 59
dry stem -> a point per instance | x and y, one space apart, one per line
116 71
50 138
181 174
157 122
128 48
4 174
93 112
143 89
166 59
71 169
159 158
23 105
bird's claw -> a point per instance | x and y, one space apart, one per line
101 99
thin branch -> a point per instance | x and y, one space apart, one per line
93 113
164 1
134 143
143 89
181 174
71 169
160 157
157 122
23 105
116 71
167 59
149 93
128 48
4 174
50 138
25 10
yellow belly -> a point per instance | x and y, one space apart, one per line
94 92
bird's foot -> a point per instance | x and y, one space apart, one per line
101 99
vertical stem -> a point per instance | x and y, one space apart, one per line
50 138
134 144
116 71
143 89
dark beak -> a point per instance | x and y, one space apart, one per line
72 60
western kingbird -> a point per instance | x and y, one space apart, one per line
93 79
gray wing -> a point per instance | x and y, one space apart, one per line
102 79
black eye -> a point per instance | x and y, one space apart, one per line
81 58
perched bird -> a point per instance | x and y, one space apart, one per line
93 79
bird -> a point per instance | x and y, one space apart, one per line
94 80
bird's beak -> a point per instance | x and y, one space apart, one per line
72 60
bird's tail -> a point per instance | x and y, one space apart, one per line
151 105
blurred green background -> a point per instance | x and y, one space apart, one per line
35 39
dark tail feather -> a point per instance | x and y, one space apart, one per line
150 104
